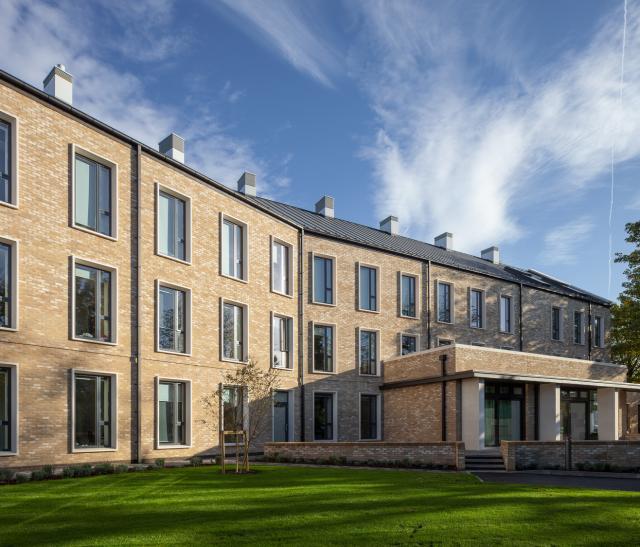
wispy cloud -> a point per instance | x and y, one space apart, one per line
230 94
562 243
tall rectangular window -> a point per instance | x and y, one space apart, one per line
6 285
506 323
444 302
93 195
93 301
172 226
280 256
578 327
233 249
408 344
233 343
323 417
281 342
5 162
232 415
172 320
5 410
556 320
323 348
172 412
323 280
368 352
598 332
368 283
93 411
368 417
408 296
476 309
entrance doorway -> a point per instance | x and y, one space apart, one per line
503 413
281 416
579 414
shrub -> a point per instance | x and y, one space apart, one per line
196 461
6 475
104 469
84 470
160 463
38 475
22 477
121 468
68 472
48 471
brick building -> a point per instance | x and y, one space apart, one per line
130 284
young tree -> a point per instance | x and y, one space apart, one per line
625 315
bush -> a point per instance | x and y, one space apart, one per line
160 463
104 469
68 472
22 477
84 470
38 475
48 471
6 475
121 468
196 461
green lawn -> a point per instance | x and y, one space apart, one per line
297 505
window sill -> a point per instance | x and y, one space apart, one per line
233 278
376 440
286 295
85 450
8 454
476 328
327 305
88 231
314 371
172 446
9 205
508 332
285 369
325 440
9 329
234 361
368 311
368 375
169 352
90 341
175 259
414 317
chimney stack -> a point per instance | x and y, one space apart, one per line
59 84
390 225
492 254
172 147
247 184
325 206
444 241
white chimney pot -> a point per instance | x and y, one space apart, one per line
492 254
325 206
172 147
444 241
247 184
390 225
59 84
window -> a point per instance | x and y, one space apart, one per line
506 322
281 342
6 410
444 302
7 286
598 332
408 344
233 249
93 196
172 412
233 411
94 297
323 345
5 163
556 327
476 309
368 288
408 296
368 352
280 268
93 411
173 226
578 327
173 319
233 332
323 281
324 416
368 417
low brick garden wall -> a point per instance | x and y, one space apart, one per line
581 455
442 455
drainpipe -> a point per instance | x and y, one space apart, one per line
520 314
301 331
138 281
428 304
589 332
443 361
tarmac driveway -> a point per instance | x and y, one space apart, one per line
602 483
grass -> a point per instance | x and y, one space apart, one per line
298 505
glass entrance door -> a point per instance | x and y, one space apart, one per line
579 414
281 416
503 413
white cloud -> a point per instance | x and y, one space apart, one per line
562 243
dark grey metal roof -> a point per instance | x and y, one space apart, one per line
360 234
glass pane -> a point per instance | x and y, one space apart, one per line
444 303
323 416
5 285
509 420
86 289
368 352
323 348
408 296
228 331
228 247
181 322
489 422
105 411
105 306
5 161
280 268
85 412
281 416
408 344
369 416
5 409
85 190
578 412
476 309
320 280
232 410
104 199
166 336
181 229
239 254
365 289
239 332
277 355
165 225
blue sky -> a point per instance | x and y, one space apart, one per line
492 120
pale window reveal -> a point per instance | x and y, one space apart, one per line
280 268
505 314
93 312
172 412
368 288
93 195
93 412
368 352
476 308
409 344
233 249
172 226
172 320
323 280
408 296
233 332
323 348
444 302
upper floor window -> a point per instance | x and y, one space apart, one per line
368 285
598 332
93 189
172 412
234 326
94 300
556 323
506 321
281 342
444 302
408 344
280 268
93 411
173 319
234 243
368 352
323 348
7 285
173 226
578 327
476 308
408 296
323 280
5 163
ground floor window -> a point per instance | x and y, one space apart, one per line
579 411
323 416
172 412
368 417
233 411
93 411
408 344
281 426
504 413
5 410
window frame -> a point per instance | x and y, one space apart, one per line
334 346
187 410
359 267
245 247
581 342
273 241
245 408
560 324
378 397
359 331
334 280
483 305
290 414
291 334
14 410
416 279
162 189
14 284
76 150
187 319
335 421
113 270
14 129
245 330
452 299
401 335
598 331
113 419
511 314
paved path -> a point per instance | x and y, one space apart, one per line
602 483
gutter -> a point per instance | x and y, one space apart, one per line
428 304
521 322
138 349
301 331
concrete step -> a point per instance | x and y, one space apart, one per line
485 467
